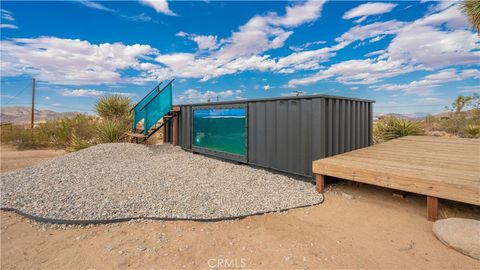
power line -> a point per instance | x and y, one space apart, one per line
14 79
21 91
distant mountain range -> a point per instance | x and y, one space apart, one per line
21 115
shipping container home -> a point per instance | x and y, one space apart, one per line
284 134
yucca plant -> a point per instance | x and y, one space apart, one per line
114 107
79 143
391 127
472 130
111 130
472 10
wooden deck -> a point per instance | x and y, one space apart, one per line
439 167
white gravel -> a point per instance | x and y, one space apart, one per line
117 181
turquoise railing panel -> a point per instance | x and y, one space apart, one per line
138 113
157 107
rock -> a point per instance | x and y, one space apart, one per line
460 234
348 196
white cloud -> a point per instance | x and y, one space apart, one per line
375 53
91 93
469 89
208 42
140 17
265 32
8 26
242 50
368 9
433 48
426 85
424 44
373 30
194 95
7 15
300 13
71 61
160 6
96 5
267 87
366 71
305 45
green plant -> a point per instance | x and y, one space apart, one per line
472 130
111 130
472 9
61 132
460 103
30 139
9 133
114 107
79 144
391 127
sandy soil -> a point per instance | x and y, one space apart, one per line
12 159
373 230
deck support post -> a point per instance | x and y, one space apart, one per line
432 208
164 131
320 182
175 130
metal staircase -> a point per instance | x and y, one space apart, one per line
155 110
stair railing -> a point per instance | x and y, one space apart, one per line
157 106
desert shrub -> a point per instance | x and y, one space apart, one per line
77 131
60 133
111 130
30 139
472 130
9 133
114 107
391 127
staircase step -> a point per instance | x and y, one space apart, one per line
137 135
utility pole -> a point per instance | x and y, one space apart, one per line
33 103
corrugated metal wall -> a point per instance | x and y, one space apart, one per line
288 134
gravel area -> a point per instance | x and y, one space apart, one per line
116 181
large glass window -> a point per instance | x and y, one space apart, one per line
221 130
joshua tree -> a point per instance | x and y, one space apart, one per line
472 9
460 102
114 107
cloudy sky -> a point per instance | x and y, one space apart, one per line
408 56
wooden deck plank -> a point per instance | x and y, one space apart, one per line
436 172
419 160
447 168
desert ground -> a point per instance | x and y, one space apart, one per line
371 230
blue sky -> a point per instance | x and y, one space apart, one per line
408 56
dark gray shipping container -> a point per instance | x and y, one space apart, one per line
288 133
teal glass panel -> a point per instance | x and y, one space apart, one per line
138 112
157 108
221 130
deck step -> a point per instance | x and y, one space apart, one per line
137 135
